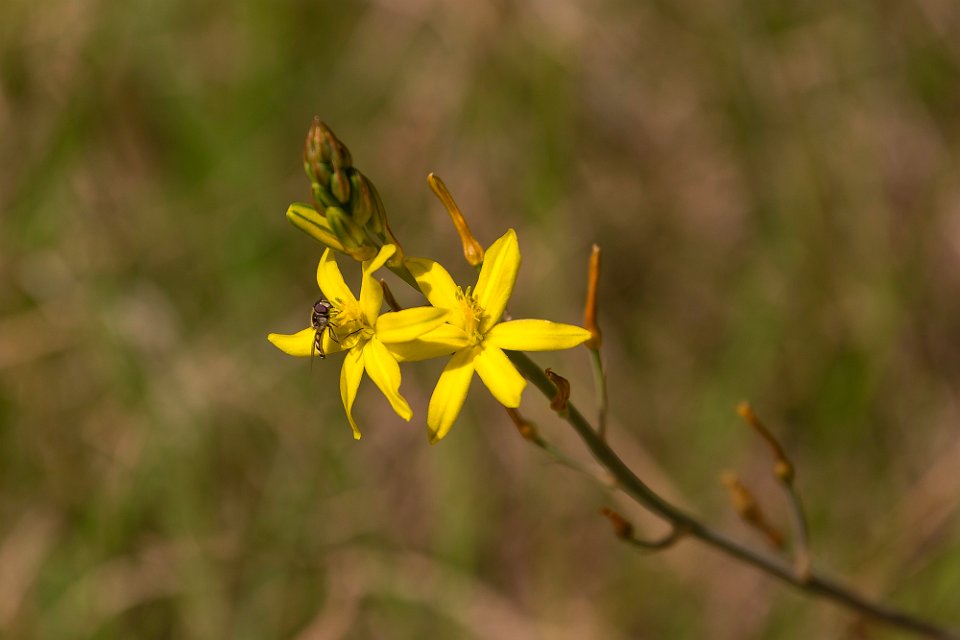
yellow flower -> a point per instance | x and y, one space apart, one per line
363 333
475 335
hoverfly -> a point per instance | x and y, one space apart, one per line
320 321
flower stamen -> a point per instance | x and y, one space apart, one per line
471 312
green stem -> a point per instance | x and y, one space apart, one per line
600 387
404 274
667 541
813 583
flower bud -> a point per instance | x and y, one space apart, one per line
362 204
311 222
322 197
350 235
472 249
348 214
334 151
312 147
340 186
319 173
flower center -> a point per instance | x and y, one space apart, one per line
470 312
348 324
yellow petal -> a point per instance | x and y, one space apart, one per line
385 373
297 344
448 396
301 343
409 324
350 376
331 344
442 341
331 281
371 292
435 283
308 220
499 272
536 335
501 377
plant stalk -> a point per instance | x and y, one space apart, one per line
813 583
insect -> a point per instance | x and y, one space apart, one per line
320 321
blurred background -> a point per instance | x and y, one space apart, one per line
775 187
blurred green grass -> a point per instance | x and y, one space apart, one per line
775 191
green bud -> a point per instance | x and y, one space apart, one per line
346 230
334 151
340 186
312 145
310 221
321 173
362 204
317 171
322 196
325 150
349 214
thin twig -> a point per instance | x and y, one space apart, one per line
785 472
624 530
591 324
530 433
816 584
600 387
747 507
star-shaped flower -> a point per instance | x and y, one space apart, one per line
475 335
358 328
